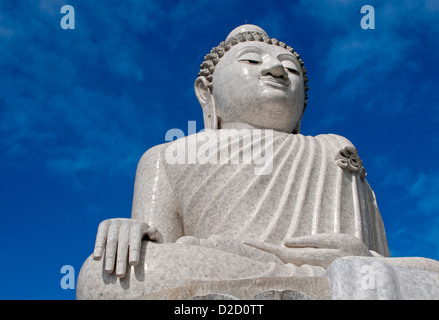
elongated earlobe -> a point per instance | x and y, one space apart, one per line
297 129
205 98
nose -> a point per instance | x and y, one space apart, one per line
271 66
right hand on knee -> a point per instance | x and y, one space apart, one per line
122 239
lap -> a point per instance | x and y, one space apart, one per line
166 266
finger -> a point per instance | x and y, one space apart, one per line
306 242
298 256
122 249
312 256
321 240
283 253
138 230
110 250
154 234
264 246
101 239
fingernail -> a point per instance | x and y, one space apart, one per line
120 269
97 254
133 261
109 265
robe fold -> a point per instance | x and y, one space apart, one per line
303 189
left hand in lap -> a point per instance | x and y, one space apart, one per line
318 250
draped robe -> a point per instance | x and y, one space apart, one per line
309 185
296 186
304 192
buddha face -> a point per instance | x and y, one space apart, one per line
259 84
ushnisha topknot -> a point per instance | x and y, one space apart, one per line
207 68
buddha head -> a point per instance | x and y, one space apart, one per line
253 79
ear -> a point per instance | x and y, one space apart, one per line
297 129
205 98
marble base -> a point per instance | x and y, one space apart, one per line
349 278
361 278
288 288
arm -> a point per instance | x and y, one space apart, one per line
154 201
154 216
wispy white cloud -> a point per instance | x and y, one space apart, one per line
409 203
419 241
425 188
419 185
374 66
74 101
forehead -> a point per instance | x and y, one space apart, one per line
258 47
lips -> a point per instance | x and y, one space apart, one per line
274 81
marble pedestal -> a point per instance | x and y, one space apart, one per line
363 278
350 278
286 288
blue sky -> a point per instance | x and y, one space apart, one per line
79 107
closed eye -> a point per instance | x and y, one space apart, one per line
251 58
290 67
292 70
250 61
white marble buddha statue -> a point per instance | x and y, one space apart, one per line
217 220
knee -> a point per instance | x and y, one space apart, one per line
94 282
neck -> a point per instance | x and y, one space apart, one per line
243 125
238 125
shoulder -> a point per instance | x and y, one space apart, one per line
335 142
152 155
334 139
345 153
165 154
154 151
